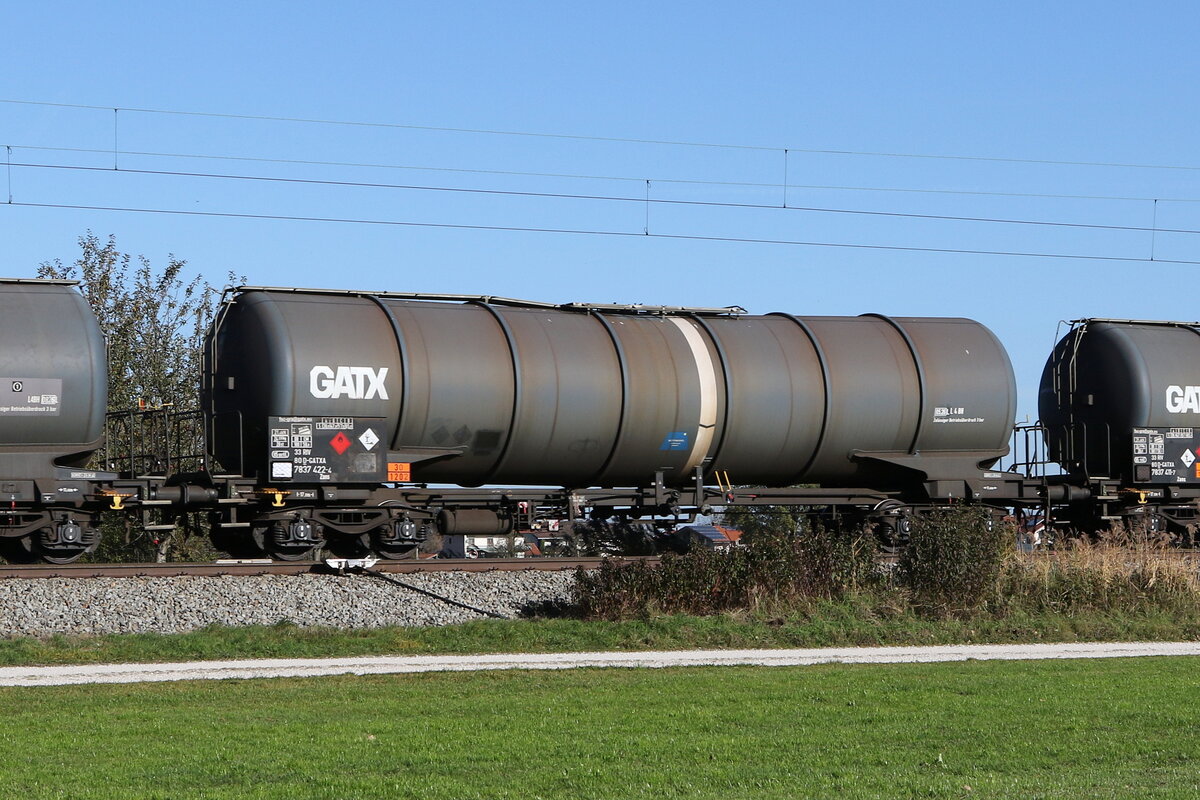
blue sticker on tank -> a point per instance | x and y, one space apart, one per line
676 440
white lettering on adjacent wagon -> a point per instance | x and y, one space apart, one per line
1183 399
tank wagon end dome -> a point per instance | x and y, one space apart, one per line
53 373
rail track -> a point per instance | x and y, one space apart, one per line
333 566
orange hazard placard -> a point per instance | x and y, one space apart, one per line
399 472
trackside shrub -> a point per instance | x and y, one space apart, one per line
958 570
778 570
953 561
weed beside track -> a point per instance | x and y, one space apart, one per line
958 566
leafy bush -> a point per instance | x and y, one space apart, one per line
778 570
954 559
123 541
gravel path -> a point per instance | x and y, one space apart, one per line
379 665
179 604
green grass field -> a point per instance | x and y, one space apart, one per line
1110 728
826 625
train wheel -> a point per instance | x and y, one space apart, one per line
284 552
396 552
397 540
64 543
60 556
298 540
892 526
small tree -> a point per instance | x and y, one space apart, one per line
759 521
154 322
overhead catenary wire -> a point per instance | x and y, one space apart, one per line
615 139
395 125
616 178
594 232
646 199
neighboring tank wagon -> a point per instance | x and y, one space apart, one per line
375 387
1111 384
1119 403
53 377
53 394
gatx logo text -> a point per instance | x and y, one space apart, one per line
1182 399
355 383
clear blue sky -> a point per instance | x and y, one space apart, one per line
1077 82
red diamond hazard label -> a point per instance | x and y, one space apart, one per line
340 443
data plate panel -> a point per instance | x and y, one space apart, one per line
1166 455
327 450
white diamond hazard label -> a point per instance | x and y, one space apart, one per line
1187 458
369 439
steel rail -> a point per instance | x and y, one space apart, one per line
263 567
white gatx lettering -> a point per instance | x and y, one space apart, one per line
356 383
1183 399
319 380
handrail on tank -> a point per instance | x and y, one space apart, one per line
42 281
1028 451
1072 443
1162 322
153 441
487 299
210 460
639 308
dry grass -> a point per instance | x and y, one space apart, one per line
1122 571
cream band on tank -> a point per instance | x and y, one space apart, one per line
707 372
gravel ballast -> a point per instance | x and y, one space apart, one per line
179 604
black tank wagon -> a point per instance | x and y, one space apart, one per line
505 392
332 396
1120 405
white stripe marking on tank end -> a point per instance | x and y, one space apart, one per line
707 373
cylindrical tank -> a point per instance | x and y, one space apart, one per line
1107 377
53 376
577 396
